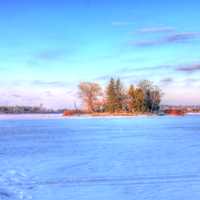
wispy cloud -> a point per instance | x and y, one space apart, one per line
146 43
130 73
170 39
167 80
156 30
133 73
181 37
141 69
189 68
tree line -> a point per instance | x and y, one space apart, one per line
115 98
24 109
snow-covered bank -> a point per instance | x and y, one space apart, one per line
60 116
193 113
82 116
29 116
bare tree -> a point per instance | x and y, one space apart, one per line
90 92
152 95
156 95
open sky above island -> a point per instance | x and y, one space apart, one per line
48 47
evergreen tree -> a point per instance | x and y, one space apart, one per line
111 96
120 96
131 99
115 96
139 105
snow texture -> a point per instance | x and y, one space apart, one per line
84 158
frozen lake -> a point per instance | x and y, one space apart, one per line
131 158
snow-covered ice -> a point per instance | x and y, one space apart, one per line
100 158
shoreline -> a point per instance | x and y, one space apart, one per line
56 116
120 114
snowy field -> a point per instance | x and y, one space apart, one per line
134 158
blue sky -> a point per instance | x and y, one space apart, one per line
48 47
